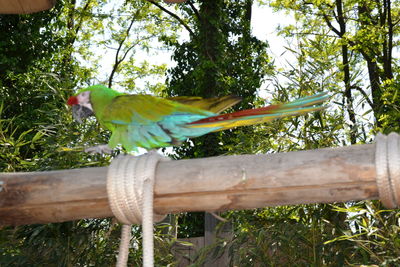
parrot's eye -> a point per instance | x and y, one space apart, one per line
84 97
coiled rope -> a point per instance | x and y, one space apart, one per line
130 183
387 164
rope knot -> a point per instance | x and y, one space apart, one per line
130 183
129 179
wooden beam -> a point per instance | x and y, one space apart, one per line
208 184
25 6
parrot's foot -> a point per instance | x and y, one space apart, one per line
100 149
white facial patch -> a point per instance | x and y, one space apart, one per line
84 99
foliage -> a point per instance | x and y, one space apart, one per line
81 243
352 234
360 38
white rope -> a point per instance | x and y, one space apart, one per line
123 252
387 164
393 144
130 183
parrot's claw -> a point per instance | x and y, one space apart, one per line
100 149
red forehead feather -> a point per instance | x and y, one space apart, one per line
73 100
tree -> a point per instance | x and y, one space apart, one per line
365 31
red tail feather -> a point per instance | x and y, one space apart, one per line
238 114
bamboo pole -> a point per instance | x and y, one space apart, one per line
207 184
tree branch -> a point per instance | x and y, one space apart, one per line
328 22
365 95
196 12
173 15
390 39
121 43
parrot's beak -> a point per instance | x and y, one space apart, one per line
80 112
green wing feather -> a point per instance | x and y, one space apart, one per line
214 104
145 109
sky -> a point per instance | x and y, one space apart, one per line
264 23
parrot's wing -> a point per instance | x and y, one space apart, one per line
214 104
148 121
146 109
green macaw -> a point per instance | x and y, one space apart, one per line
152 122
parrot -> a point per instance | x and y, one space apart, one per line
153 122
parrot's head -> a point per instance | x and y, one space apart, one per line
81 106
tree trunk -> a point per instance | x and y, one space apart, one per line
346 78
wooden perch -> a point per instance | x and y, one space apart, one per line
25 6
208 184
